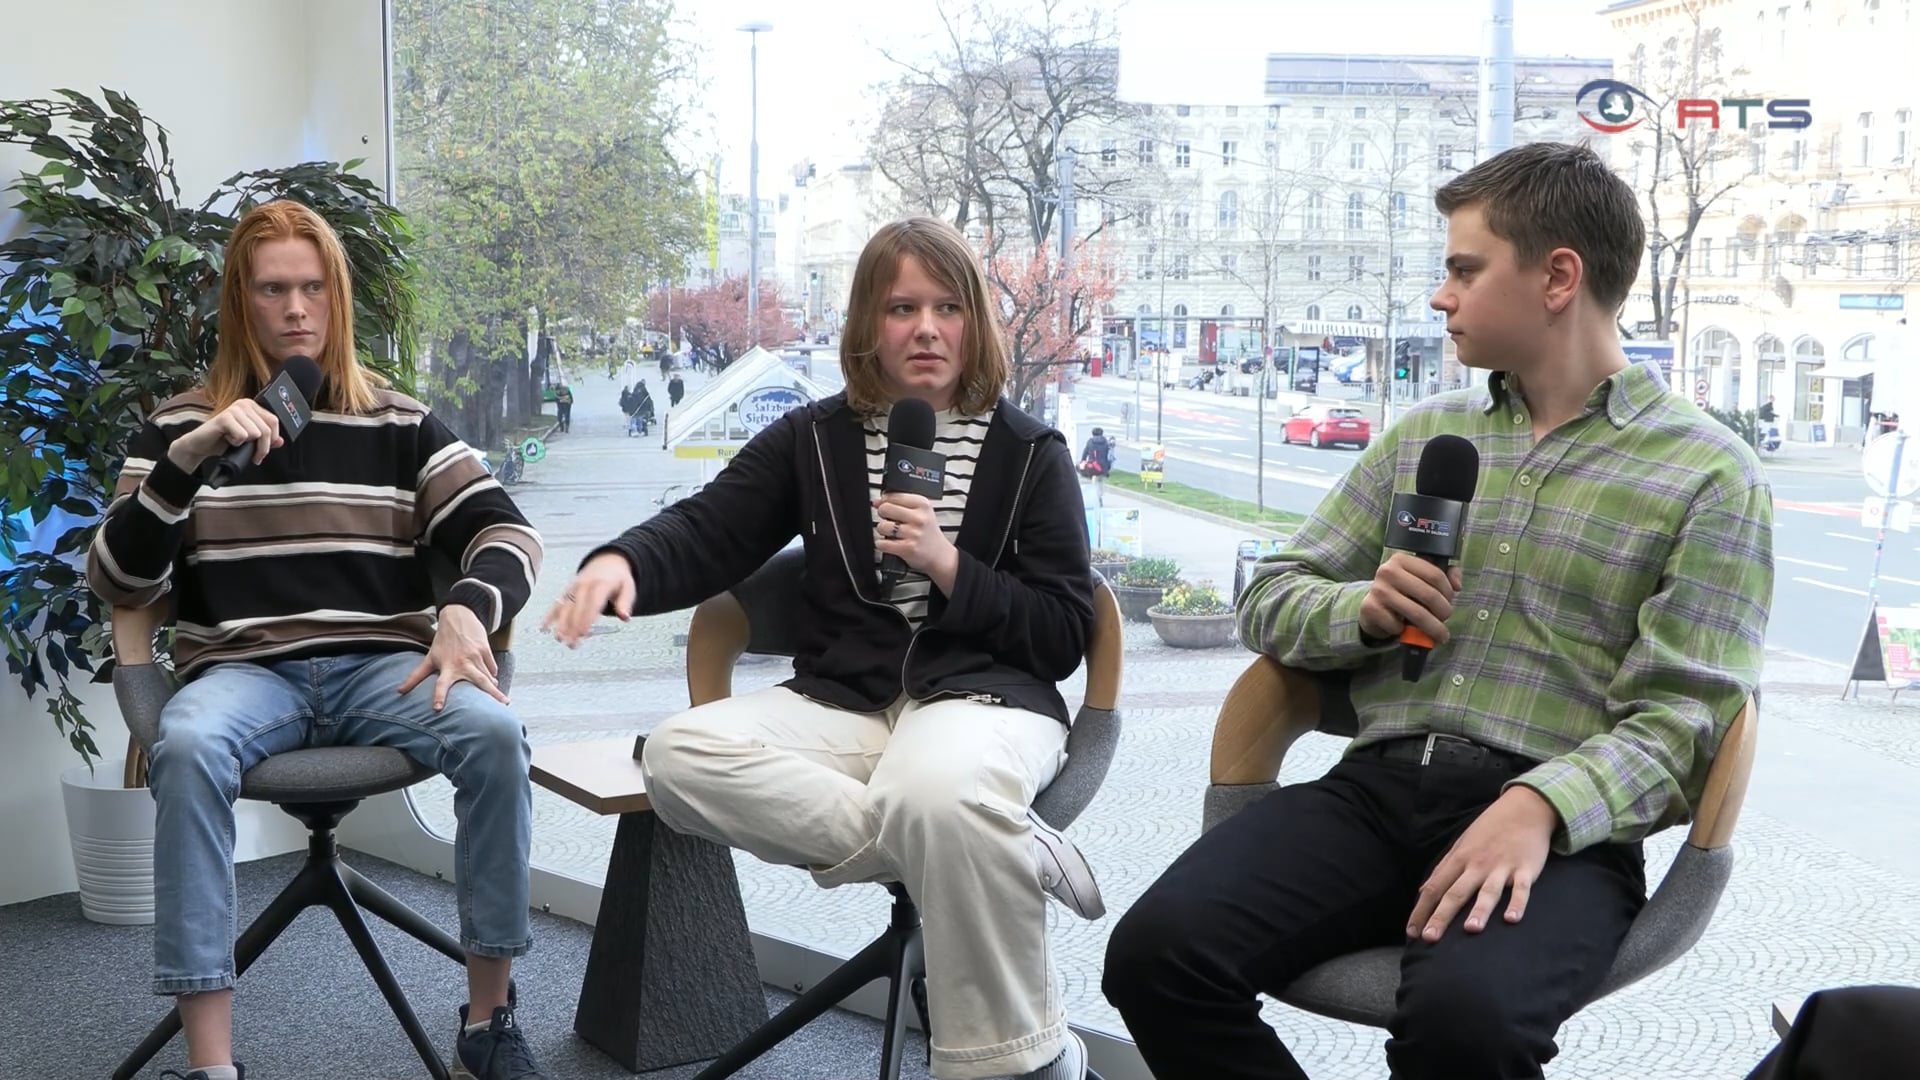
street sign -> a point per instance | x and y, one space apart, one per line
1878 460
1873 514
1153 464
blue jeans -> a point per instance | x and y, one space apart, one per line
236 714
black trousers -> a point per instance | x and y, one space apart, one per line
1320 869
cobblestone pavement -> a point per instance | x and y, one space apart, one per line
1826 891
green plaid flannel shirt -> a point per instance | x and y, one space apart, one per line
1616 581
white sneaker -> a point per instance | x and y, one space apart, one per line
1065 874
1070 1065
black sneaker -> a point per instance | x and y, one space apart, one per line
201 1074
498 1053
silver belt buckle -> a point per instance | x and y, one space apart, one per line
1427 754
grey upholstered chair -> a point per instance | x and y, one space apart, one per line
319 787
1270 706
756 617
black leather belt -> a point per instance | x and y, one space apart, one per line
1437 749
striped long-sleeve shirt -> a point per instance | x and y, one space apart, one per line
316 550
1617 579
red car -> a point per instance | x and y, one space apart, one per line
1321 425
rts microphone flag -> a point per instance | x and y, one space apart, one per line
1428 523
911 467
289 397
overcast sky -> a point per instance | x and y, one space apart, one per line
817 64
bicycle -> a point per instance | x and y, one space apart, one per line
512 465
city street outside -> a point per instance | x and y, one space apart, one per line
1823 555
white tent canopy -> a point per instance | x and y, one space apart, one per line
735 405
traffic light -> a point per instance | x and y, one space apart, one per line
1403 360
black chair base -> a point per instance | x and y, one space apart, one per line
325 881
897 956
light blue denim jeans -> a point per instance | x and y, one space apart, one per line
236 714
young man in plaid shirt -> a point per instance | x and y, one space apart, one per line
1601 628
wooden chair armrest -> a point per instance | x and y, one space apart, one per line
1104 651
1727 779
716 638
1268 707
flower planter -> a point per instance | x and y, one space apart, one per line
1194 631
1109 570
111 827
1136 599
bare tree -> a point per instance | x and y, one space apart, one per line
1379 209
1681 172
975 132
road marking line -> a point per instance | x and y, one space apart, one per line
1835 588
1310 468
1809 562
1898 580
1850 536
1239 454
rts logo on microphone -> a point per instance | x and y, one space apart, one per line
918 472
1423 525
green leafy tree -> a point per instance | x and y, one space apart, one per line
532 144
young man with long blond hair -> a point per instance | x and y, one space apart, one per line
304 618
922 718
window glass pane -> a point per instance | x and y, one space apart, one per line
579 174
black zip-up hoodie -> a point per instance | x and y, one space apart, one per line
1022 604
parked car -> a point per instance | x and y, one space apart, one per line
1324 425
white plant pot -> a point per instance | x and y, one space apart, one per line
111 828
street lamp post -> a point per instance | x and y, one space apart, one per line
754 30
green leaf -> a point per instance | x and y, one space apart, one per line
101 339
72 306
147 292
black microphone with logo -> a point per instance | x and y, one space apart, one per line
289 398
1428 523
911 467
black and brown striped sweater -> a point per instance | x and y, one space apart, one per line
316 550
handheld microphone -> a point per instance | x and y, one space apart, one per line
911 466
289 398
1428 523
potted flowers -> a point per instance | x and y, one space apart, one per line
1139 585
1191 615
1108 563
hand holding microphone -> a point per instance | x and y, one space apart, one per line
1412 593
243 433
915 476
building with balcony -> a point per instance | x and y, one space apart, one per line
1800 274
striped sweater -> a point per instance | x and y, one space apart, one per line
314 551
959 437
